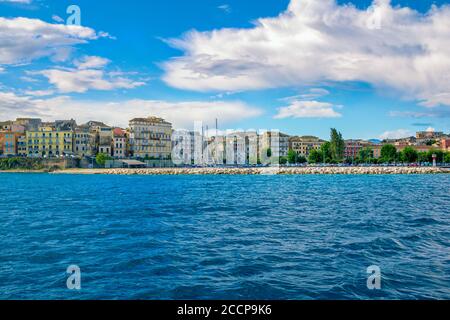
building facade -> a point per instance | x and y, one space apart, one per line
49 142
119 143
304 145
150 138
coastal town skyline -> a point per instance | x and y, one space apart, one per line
174 65
154 138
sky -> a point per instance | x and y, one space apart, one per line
371 69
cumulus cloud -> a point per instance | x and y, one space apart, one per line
397 134
82 80
23 40
181 114
308 109
321 41
89 74
92 62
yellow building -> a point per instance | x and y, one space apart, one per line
150 138
49 142
304 145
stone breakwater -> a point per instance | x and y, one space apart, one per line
261 171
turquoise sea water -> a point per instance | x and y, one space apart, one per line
224 237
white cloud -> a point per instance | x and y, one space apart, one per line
23 40
89 74
430 129
17 1
308 109
181 114
81 80
320 41
313 93
39 93
2 70
396 134
92 62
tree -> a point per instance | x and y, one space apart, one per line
410 155
439 155
315 156
269 153
101 159
365 155
447 157
326 152
422 157
337 145
388 153
292 156
301 159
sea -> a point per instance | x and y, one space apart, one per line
224 237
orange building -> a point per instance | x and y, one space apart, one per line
8 143
445 145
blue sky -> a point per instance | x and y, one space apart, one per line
302 72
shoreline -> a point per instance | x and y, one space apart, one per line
261 171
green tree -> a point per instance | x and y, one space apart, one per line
292 156
337 145
101 159
439 155
269 153
315 156
325 149
388 153
365 155
301 159
410 155
423 157
447 157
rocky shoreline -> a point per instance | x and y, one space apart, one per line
262 171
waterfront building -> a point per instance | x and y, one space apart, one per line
105 138
150 138
376 151
84 141
47 141
241 148
119 143
22 145
183 146
10 135
8 143
304 145
277 142
352 148
101 137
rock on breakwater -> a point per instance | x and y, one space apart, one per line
259 171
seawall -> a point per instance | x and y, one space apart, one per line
261 171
